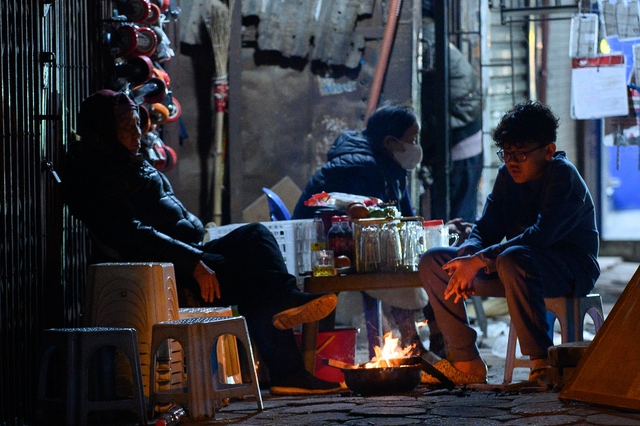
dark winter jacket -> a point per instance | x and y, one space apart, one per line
465 104
129 207
354 167
553 212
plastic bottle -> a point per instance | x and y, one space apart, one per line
172 416
432 231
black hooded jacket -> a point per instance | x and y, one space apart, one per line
129 207
354 167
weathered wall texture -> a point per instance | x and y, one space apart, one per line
321 30
300 87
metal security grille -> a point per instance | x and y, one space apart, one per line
522 60
47 66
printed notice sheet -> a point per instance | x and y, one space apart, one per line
598 90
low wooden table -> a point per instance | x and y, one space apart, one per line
349 282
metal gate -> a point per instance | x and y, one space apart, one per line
526 45
522 54
47 67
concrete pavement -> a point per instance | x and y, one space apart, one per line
422 407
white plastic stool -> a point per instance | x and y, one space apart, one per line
204 386
135 295
570 312
76 346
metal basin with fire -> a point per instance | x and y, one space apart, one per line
382 381
397 375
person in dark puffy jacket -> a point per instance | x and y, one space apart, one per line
133 215
375 163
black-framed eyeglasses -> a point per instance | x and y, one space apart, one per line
517 156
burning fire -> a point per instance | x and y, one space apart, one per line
390 350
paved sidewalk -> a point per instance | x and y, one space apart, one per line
421 407
425 406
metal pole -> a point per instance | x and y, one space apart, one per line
442 162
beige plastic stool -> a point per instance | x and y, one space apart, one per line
203 385
227 350
135 295
570 312
76 346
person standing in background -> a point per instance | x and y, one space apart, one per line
465 127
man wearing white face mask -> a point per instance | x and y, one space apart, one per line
374 162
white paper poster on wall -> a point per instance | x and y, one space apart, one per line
599 88
620 18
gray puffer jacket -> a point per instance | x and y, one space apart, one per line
465 104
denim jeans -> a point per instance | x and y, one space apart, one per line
525 276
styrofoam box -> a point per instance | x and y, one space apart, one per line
294 237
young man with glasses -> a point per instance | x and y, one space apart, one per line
536 238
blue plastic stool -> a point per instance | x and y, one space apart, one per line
277 209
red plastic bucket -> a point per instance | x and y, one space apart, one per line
339 344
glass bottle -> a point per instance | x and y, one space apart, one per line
172 416
348 242
335 237
320 239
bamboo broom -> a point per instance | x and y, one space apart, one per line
219 29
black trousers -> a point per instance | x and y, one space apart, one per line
252 275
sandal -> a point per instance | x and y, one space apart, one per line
540 370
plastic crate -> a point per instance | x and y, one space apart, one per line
294 238
305 234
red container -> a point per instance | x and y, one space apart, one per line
339 344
